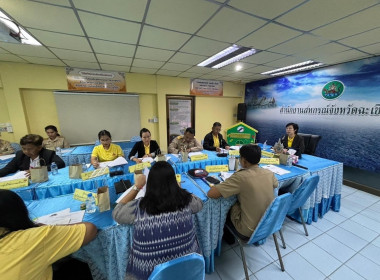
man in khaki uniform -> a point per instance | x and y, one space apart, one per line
186 142
6 148
254 189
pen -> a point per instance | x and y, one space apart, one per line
300 166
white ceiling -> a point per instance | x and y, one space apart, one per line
170 37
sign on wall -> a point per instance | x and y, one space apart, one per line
206 87
95 80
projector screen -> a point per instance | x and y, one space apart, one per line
82 115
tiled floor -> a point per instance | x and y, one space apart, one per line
343 245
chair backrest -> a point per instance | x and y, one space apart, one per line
188 267
303 192
311 142
16 146
272 219
172 136
136 138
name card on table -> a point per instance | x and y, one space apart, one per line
267 154
96 173
233 152
139 166
216 168
14 184
199 157
270 161
81 195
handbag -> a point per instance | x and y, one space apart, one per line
122 186
39 174
103 199
75 171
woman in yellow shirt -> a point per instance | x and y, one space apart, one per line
106 151
292 140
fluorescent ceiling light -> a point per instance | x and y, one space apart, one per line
293 68
238 67
16 32
227 56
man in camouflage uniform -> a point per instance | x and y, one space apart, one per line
185 142
6 148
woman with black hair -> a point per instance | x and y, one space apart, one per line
106 151
292 140
144 148
163 223
28 250
54 140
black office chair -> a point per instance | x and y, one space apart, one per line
311 142
172 136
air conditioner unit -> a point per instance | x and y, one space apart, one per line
8 35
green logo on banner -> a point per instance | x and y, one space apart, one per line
332 90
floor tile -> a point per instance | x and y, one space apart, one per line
335 248
225 246
369 198
312 230
294 238
376 242
359 230
319 258
299 269
371 252
212 276
323 225
352 202
364 267
348 238
270 248
273 271
255 256
334 217
229 266
345 273
374 215
345 211
347 191
367 222
375 207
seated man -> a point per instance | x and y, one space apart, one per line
254 189
214 140
186 142
5 148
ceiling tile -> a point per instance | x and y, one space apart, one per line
261 39
115 60
106 47
185 58
373 49
185 16
259 69
29 14
3 51
175 66
168 72
10 57
43 60
130 10
189 75
163 39
110 67
201 70
327 49
263 57
143 70
198 45
230 26
345 56
143 63
28 50
267 9
74 55
351 25
101 27
363 39
299 44
82 64
286 61
57 2
63 41
313 14
153 54
231 67
211 77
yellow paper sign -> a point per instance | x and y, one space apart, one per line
95 173
270 161
267 154
233 152
199 157
178 177
139 166
81 195
216 168
14 184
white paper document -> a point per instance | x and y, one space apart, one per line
18 175
225 175
141 193
7 157
116 162
63 217
147 159
237 148
195 154
276 169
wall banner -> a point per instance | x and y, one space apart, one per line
206 87
95 80
341 103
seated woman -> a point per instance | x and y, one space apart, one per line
163 223
293 141
55 140
6 148
106 151
28 250
144 148
32 154
214 140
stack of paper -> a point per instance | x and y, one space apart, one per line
64 217
18 175
276 169
116 162
195 154
225 175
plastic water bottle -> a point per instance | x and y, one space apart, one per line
90 204
54 168
265 146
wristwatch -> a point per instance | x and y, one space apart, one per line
135 188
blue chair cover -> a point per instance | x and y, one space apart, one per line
272 219
135 139
16 147
188 267
303 192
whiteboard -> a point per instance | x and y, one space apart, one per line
82 115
